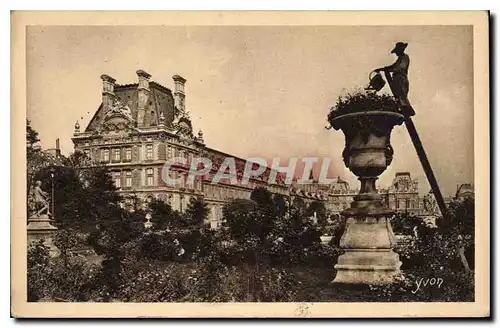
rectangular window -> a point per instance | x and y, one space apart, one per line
117 179
408 204
149 177
182 181
149 151
128 154
117 154
105 155
128 179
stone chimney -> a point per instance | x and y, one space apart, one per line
58 148
108 90
143 95
179 95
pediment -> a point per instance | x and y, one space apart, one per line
118 122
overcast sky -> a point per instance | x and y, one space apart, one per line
265 91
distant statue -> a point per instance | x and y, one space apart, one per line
39 200
119 108
430 204
399 72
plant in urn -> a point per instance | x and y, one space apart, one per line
367 119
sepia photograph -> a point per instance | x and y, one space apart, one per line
258 164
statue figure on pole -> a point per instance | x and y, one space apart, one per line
398 81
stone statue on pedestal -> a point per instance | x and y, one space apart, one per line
39 200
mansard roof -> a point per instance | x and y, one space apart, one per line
160 101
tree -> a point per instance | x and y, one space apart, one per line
462 224
462 216
300 237
69 200
31 136
299 205
35 158
240 219
162 214
404 224
262 197
196 212
445 247
266 212
317 209
281 206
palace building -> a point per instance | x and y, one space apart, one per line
138 127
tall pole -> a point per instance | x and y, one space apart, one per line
417 143
52 198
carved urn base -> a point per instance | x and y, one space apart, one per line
368 258
39 228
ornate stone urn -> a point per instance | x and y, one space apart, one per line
368 239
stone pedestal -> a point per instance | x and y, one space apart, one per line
39 228
368 258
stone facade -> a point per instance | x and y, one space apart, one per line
138 127
401 197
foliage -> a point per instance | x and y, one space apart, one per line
266 212
264 252
240 220
170 282
196 212
318 208
159 245
436 252
31 136
435 247
404 223
38 272
461 217
300 239
361 101
162 215
280 203
67 278
336 230
35 158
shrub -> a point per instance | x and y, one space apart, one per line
66 278
360 101
38 272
